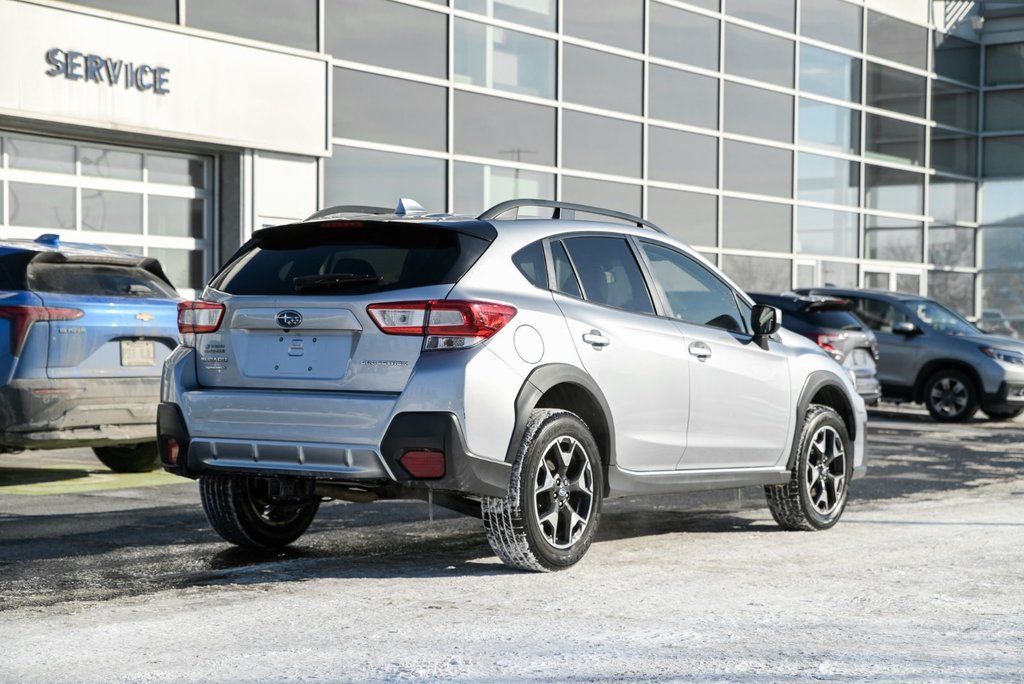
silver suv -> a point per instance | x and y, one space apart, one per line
517 370
931 354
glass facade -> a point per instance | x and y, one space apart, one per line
795 142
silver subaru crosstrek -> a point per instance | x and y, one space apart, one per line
518 370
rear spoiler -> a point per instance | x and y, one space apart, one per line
105 258
830 304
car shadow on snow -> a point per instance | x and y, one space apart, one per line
454 547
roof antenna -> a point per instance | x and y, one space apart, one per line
409 206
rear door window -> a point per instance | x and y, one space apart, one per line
609 273
565 277
880 316
358 259
694 294
98 280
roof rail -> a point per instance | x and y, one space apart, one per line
566 211
350 209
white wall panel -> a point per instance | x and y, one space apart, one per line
218 92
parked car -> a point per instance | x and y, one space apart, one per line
828 321
518 370
84 332
930 354
994 322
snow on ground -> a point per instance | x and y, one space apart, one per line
909 590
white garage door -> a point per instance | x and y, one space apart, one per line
144 201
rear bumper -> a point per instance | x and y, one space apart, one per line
50 414
361 465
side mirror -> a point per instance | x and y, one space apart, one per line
765 320
905 328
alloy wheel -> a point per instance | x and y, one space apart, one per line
564 492
949 397
825 482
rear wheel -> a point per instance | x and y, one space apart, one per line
242 512
550 515
950 396
1006 414
136 458
815 497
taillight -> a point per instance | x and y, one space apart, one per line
22 318
445 324
199 317
827 342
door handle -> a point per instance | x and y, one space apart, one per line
595 338
700 350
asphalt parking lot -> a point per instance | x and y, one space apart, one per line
109 577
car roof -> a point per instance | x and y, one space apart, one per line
793 301
854 292
50 243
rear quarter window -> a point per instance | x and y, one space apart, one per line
352 260
99 280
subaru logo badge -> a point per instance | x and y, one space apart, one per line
288 318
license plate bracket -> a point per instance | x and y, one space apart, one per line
137 353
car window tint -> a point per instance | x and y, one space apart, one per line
358 259
530 262
565 278
880 316
694 294
609 273
100 280
830 318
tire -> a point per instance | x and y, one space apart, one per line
950 396
816 495
241 511
136 458
553 507
1007 414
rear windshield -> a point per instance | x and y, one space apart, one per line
102 280
837 320
349 260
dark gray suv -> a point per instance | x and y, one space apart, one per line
931 354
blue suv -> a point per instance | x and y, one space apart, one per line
84 332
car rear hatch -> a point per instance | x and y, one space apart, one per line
295 304
109 316
840 332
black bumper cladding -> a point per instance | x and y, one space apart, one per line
70 412
464 474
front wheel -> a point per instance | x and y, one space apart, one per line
950 396
550 515
136 458
242 512
815 497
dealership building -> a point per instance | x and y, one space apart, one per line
875 143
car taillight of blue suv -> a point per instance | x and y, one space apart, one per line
84 332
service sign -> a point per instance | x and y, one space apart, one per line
76 66
67 66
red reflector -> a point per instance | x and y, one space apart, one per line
423 464
169 450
